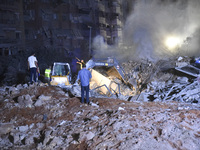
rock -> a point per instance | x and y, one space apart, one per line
29 140
25 85
44 98
39 102
40 125
76 90
25 101
23 128
16 137
90 135
95 118
13 90
93 104
54 142
19 87
1 97
120 108
6 128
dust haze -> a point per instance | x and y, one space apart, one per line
147 28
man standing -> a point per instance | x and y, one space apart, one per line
84 76
32 65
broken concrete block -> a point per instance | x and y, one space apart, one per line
6 128
44 98
23 128
25 100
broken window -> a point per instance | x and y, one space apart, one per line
6 52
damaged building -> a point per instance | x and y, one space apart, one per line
67 26
12 38
58 30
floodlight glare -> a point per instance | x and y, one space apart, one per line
172 42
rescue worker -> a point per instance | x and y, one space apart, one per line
80 62
48 74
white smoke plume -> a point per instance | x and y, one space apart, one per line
151 22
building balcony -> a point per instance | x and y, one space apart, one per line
116 2
75 18
102 20
9 23
116 10
83 5
101 7
116 22
116 33
9 7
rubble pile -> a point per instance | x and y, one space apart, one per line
44 117
181 90
159 82
163 114
142 73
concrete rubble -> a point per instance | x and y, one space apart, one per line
164 114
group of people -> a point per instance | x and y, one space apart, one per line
84 75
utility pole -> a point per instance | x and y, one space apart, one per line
90 40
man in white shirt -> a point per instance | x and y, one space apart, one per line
32 65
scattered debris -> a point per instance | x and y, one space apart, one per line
166 115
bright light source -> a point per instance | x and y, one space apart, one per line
172 42
59 80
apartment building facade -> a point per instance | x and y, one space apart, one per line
12 38
68 26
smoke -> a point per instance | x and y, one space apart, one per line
151 22
100 46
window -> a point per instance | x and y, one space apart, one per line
18 35
54 16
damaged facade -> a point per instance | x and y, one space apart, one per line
66 26
56 31
12 37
